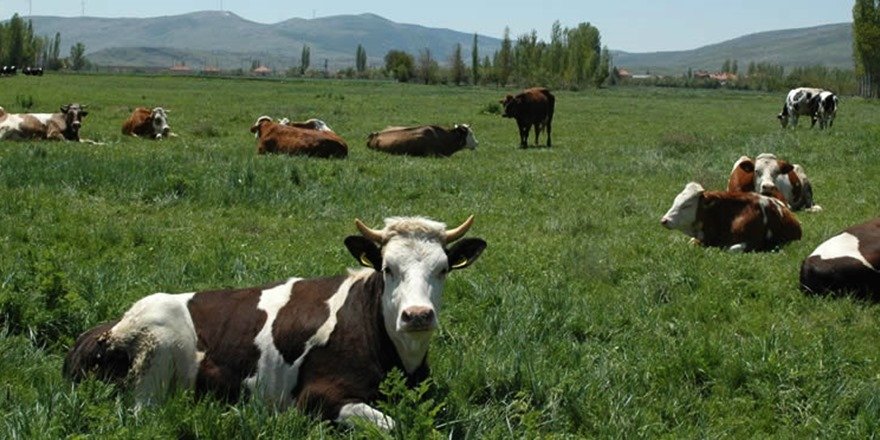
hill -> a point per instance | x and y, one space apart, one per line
830 45
228 41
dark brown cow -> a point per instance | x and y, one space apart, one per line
424 140
278 138
532 107
846 263
321 344
147 123
775 178
738 221
53 126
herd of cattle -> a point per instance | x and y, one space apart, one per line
13 70
324 345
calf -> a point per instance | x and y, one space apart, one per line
802 101
846 263
738 221
53 126
277 138
774 177
532 107
321 344
152 124
425 140
827 109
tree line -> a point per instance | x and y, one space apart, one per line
19 46
572 59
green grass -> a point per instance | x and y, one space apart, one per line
584 317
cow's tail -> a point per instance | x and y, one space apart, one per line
92 354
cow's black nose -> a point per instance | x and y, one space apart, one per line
417 317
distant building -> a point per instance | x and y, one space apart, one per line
262 71
180 68
623 73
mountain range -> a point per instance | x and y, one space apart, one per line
226 41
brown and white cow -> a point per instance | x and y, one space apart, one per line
320 344
53 126
737 221
147 123
846 263
532 107
424 140
313 124
802 101
774 177
279 138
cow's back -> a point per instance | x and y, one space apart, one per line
413 141
137 123
301 141
846 263
760 222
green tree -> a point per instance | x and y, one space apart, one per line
399 65
361 59
726 66
504 59
475 62
77 60
866 46
305 59
604 68
457 67
427 68
15 35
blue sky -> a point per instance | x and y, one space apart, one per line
631 25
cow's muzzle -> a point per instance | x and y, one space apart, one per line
417 319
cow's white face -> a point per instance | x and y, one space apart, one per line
470 140
683 213
160 122
771 175
414 261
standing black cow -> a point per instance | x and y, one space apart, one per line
531 107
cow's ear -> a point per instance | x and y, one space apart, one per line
254 128
83 113
464 252
785 167
747 166
364 251
64 108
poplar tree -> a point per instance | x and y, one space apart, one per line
305 59
361 59
458 69
475 62
504 61
866 46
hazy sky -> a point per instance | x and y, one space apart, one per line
631 25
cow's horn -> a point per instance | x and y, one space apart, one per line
371 234
455 234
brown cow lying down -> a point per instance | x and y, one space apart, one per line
54 126
846 263
775 178
738 221
277 138
425 140
531 107
147 123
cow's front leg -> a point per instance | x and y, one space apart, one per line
351 411
523 135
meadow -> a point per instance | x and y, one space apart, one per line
584 318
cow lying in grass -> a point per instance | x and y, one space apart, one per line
321 344
737 221
279 138
774 178
846 263
60 126
424 140
146 123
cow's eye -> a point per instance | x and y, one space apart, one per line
444 271
387 270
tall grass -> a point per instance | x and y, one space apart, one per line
583 318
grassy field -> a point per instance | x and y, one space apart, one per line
583 318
